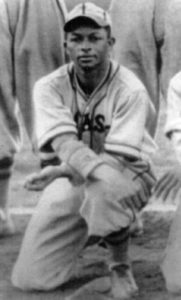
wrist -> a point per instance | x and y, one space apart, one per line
79 157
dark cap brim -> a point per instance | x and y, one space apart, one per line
82 21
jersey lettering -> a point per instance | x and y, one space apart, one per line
99 123
84 123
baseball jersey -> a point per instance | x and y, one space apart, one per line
115 118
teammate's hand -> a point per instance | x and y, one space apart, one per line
168 186
38 181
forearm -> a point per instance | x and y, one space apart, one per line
76 154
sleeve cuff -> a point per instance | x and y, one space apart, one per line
80 157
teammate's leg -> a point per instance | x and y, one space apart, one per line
171 53
171 50
38 49
6 224
55 236
7 152
135 45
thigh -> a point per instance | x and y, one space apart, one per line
55 236
38 49
135 45
9 136
104 214
9 127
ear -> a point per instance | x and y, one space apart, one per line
65 48
112 41
65 45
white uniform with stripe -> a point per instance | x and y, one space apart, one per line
148 41
173 116
100 117
31 46
115 121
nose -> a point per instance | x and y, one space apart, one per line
86 46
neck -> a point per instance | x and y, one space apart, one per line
89 79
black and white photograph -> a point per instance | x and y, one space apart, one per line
90 150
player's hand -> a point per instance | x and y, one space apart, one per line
168 186
112 200
111 184
38 181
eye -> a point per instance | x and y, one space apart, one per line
94 38
76 39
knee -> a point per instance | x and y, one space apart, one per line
62 196
29 278
24 278
29 273
38 274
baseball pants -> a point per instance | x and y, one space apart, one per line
30 47
58 232
148 41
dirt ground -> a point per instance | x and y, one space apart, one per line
146 251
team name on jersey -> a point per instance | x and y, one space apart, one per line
87 123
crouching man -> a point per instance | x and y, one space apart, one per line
97 116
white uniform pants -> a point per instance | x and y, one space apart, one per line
55 236
148 41
58 230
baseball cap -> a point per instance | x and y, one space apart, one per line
89 11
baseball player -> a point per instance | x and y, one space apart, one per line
31 45
171 181
97 116
149 45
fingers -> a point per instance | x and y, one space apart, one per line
167 184
30 179
172 197
132 203
136 201
36 181
34 184
37 187
170 193
161 184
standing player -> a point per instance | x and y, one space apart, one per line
171 265
148 35
31 45
136 47
148 43
96 115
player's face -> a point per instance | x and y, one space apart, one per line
89 47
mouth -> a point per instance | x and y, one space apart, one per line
86 58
